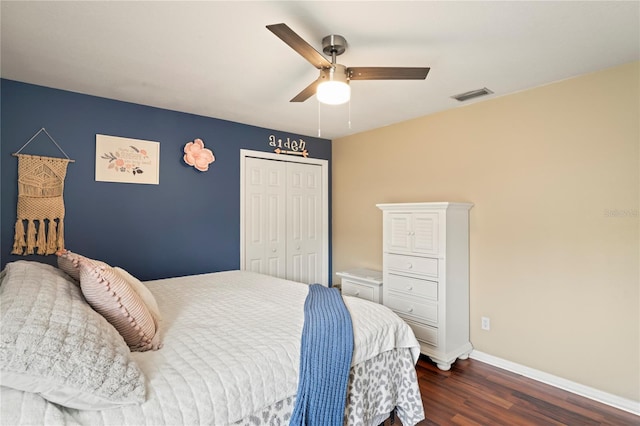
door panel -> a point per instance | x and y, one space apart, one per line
425 232
399 238
313 268
304 245
265 245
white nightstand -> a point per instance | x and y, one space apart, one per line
362 283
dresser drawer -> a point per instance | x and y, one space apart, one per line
412 264
420 309
424 333
413 286
350 288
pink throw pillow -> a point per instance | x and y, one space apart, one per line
68 262
114 298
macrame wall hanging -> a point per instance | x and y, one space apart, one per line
40 202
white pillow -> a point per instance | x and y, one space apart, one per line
53 344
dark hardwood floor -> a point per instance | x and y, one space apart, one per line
475 393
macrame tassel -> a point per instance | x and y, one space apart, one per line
52 237
31 237
41 243
18 239
60 235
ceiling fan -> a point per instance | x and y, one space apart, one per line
332 86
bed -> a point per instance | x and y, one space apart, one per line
229 354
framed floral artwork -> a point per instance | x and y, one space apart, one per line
127 160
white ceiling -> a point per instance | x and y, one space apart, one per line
217 59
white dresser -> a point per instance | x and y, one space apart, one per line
426 274
362 283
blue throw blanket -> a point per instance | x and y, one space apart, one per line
325 359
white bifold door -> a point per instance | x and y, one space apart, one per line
283 223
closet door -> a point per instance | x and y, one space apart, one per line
265 217
304 223
283 220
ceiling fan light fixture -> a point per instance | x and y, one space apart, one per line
334 89
333 92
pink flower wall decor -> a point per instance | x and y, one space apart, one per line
196 155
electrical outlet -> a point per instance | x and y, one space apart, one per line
486 323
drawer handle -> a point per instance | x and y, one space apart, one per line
410 288
409 265
357 293
273 250
410 310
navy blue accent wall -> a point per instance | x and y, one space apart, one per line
188 224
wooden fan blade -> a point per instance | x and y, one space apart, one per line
307 92
387 73
298 44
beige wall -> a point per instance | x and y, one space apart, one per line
553 173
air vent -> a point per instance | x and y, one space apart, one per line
472 94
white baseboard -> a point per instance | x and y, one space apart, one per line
582 390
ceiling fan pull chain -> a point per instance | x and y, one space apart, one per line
319 132
349 113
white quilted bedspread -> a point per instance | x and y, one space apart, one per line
231 347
